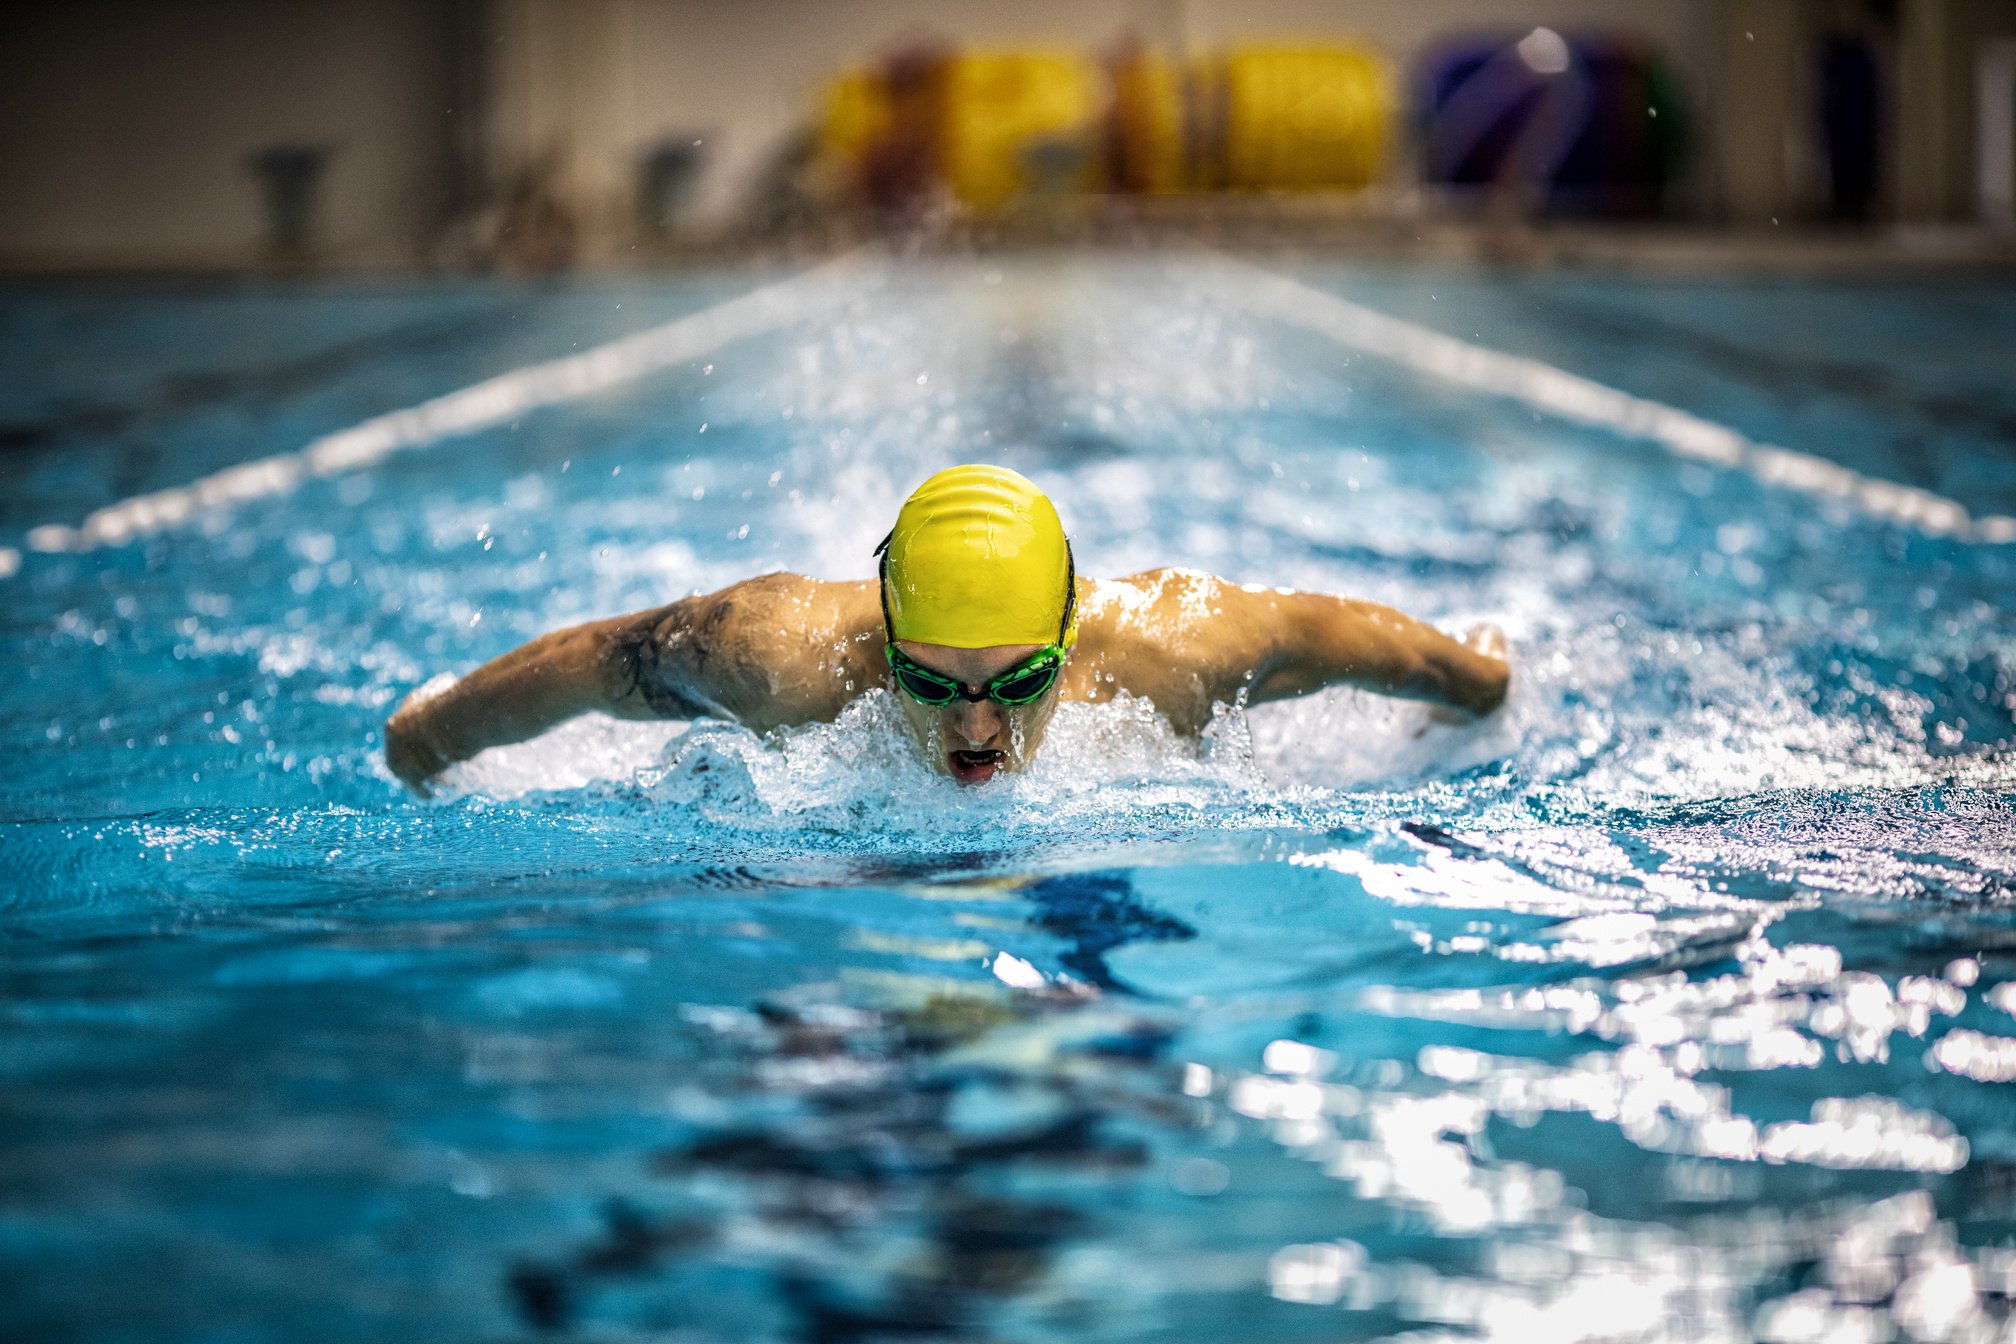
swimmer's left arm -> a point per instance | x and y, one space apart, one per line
1302 642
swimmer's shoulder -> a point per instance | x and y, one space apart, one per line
1148 634
778 648
776 611
782 592
1158 604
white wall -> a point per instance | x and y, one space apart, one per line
128 125
1937 82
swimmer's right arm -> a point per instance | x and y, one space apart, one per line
612 666
769 651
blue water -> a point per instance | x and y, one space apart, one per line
1675 1002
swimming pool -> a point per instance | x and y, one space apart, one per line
1673 1003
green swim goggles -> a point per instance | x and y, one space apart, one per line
1027 681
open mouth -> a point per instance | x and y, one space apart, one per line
975 767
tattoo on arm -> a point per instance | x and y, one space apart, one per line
639 651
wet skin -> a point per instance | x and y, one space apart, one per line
782 649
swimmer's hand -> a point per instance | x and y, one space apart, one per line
408 754
1489 640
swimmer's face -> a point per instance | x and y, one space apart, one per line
972 740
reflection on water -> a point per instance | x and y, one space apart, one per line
1673 1003
922 1157
897 1184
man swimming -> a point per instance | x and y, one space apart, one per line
982 625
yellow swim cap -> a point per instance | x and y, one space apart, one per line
978 558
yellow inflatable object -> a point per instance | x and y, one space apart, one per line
854 114
1003 110
1001 125
978 558
1302 118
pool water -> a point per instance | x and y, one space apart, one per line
1677 1001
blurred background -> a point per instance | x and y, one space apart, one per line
533 135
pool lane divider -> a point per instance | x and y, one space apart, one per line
480 406
1583 401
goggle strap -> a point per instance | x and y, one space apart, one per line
882 583
1070 592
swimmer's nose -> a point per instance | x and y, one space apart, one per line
977 723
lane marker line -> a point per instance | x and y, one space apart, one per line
1584 401
480 406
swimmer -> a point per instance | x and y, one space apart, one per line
980 624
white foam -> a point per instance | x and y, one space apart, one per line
589 750
1584 401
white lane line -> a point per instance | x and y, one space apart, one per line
493 401
1584 401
